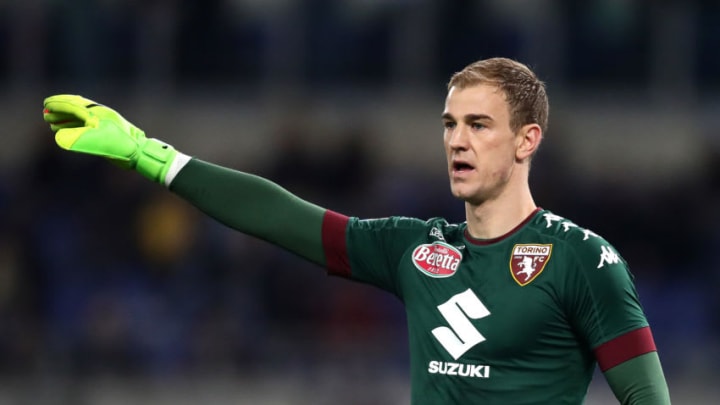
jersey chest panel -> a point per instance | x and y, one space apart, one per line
513 320
503 322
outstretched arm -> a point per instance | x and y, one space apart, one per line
253 205
245 202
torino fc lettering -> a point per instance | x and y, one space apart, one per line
527 261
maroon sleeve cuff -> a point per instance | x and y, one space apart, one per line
624 347
334 243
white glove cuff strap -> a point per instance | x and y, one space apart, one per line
177 164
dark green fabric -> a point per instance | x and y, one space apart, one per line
253 205
639 381
469 312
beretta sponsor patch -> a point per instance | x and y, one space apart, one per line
528 261
437 259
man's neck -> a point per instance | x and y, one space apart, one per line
495 218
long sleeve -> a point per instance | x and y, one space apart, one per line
253 205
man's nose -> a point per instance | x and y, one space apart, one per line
459 138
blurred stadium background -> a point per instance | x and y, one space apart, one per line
113 291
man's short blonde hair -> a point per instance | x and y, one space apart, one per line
524 92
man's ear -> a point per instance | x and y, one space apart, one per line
528 141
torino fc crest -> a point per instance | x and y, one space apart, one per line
528 261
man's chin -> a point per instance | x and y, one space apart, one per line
470 197
459 193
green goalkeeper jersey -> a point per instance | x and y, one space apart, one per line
520 319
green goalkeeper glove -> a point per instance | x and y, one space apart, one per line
84 126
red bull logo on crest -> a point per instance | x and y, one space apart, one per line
528 261
437 259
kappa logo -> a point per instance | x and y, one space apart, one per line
437 259
434 232
608 256
528 261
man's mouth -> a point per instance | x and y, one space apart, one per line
460 166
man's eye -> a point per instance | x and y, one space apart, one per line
448 125
477 126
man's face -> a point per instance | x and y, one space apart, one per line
479 145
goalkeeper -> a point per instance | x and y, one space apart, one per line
516 305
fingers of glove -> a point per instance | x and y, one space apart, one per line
72 99
59 121
61 109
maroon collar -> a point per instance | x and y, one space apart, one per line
482 242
